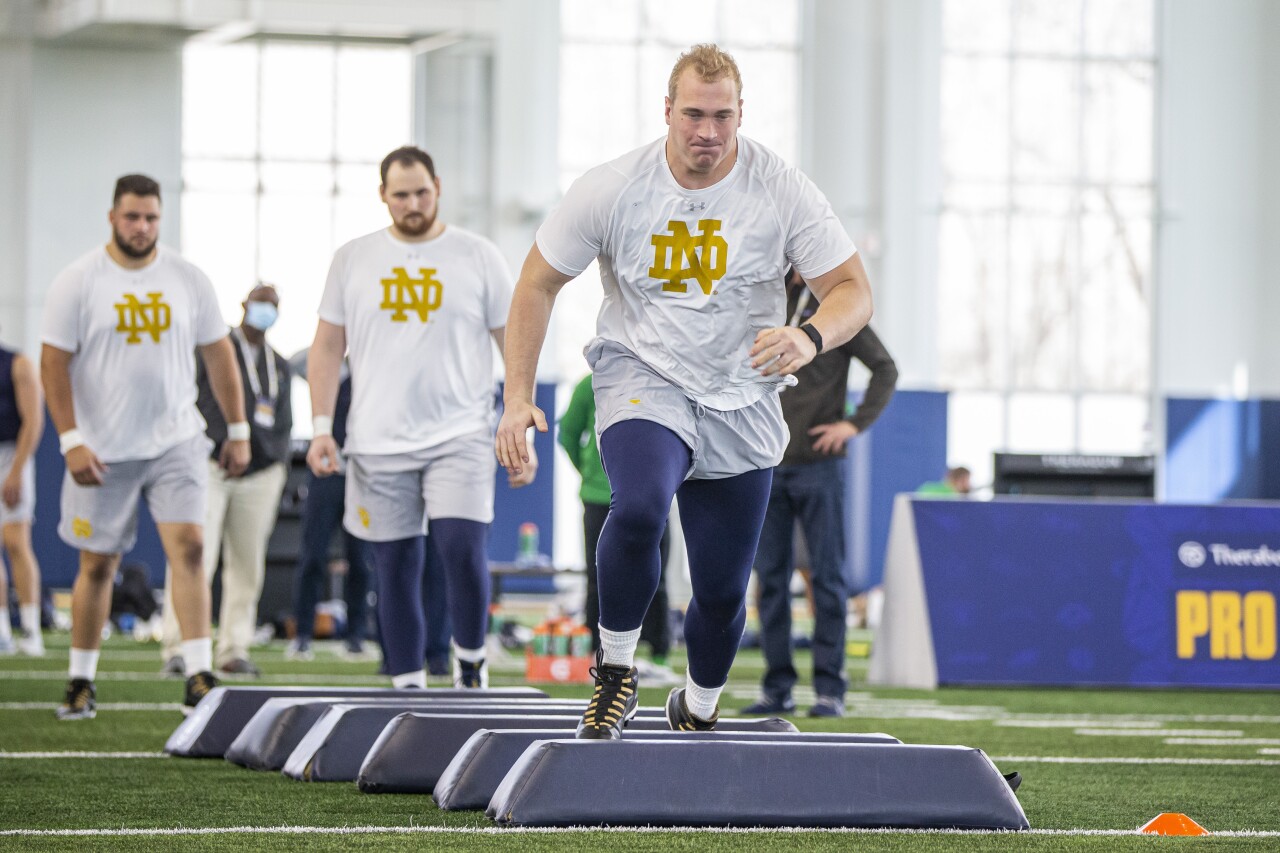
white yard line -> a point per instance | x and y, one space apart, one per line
495 830
1214 741
101 706
1165 733
1072 759
11 755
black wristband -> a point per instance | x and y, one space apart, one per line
814 335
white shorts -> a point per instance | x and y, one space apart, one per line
393 497
26 507
104 519
724 443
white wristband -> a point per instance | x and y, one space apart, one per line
321 425
69 440
238 431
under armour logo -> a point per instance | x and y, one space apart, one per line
695 205
705 253
136 317
403 293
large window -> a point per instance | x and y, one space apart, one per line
281 145
1046 229
615 59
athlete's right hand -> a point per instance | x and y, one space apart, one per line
322 456
85 466
12 490
513 452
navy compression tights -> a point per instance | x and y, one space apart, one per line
646 464
399 565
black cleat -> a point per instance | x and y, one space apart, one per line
679 718
81 702
613 704
470 674
1014 779
198 686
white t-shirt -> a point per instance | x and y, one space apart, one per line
417 318
133 335
691 276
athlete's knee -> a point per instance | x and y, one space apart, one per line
639 514
98 568
17 538
720 603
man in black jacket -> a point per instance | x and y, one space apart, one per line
241 512
809 487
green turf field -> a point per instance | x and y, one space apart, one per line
1096 764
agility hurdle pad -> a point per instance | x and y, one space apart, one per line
479 767
415 748
335 747
221 714
270 737
734 783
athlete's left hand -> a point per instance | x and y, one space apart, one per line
234 457
528 471
514 450
830 438
781 351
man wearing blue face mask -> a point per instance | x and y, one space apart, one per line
242 510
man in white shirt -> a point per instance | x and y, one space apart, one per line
693 233
121 328
415 307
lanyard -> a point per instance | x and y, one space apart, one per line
251 366
801 304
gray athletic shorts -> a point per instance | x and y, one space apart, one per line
392 497
104 519
26 508
724 443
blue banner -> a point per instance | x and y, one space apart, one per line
1032 592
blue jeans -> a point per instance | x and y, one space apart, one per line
813 493
321 516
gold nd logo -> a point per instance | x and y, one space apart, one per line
402 293
136 317
364 517
81 528
706 253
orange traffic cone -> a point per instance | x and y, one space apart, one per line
1173 823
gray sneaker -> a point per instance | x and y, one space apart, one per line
174 666
827 706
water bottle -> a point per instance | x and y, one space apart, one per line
527 545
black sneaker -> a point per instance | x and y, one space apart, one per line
470 674
81 702
613 704
198 686
679 718
770 706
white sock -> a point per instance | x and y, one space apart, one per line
701 701
468 655
619 647
6 630
197 655
84 663
30 618
418 678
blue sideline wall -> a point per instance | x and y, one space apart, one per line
1221 450
59 562
905 447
